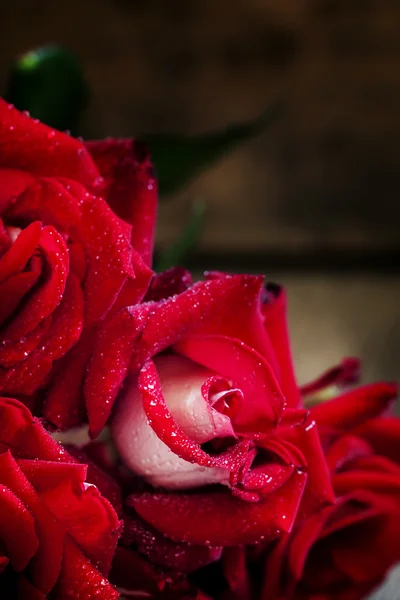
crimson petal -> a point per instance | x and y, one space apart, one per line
32 146
26 377
220 519
355 406
228 306
17 529
130 187
15 259
12 291
162 551
64 404
384 436
48 296
45 565
90 519
108 368
274 311
348 371
80 579
26 436
250 373
28 591
166 428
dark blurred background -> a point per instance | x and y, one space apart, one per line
313 200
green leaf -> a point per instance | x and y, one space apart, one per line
49 83
186 241
178 159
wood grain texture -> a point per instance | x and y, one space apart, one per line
326 175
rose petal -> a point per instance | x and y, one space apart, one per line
384 436
218 518
380 483
17 529
274 312
143 439
12 353
251 374
227 306
344 450
187 394
46 563
164 285
88 219
89 519
351 551
130 187
170 433
45 474
348 371
26 377
301 447
27 591
235 571
261 481
48 295
13 183
12 292
64 405
80 579
105 483
302 541
16 258
132 572
163 551
109 255
26 436
32 146
133 290
355 406
108 368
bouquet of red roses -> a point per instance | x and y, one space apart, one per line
200 469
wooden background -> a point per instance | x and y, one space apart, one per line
320 189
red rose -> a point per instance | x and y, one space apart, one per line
345 550
67 261
204 404
57 533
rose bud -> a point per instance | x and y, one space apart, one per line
228 456
201 404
